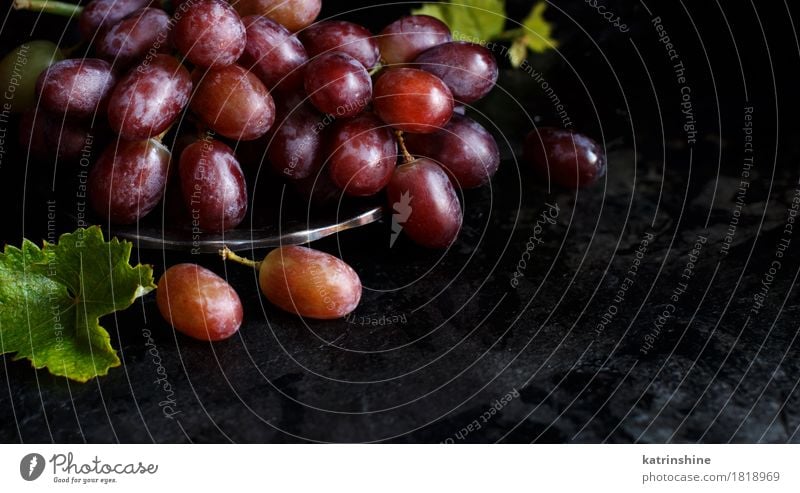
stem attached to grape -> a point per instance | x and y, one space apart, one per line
49 7
407 157
377 68
227 254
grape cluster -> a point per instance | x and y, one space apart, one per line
331 106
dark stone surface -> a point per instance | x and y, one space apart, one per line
465 340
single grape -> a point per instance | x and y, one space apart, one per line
149 98
404 39
344 37
144 31
309 283
425 203
295 144
412 100
45 136
338 84
466 151
128 180
213 186
209 33
99 15
468 69
78 87
20 69
292 14
273 54
199 303
233 102
363 155
567 158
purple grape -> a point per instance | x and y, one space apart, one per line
273 54
295 146
567 158
133 37
213 185
99 15
425 203
342 36
468 69
78 88
149 98
413 100
233 102
363 155
210 33
404 39
338 84
463 148
129 180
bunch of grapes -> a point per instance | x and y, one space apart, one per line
332 106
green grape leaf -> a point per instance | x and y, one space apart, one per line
538 33
51 300
517 51
477 21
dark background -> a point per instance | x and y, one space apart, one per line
467 338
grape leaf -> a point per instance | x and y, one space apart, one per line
469 20
51 300
538 32
517 51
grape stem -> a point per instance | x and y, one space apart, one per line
63 9
407 157
374 70
227 254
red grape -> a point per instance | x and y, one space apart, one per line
338 84
309 283
233 102
131 38
149 98
468 69
363 155
213 185
412 100
293 14
77 87
342 36
404 39
128 180
463 148
295 146
421 193
567 158
210 33
273 54
198 303
99 15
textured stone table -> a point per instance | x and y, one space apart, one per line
636 316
